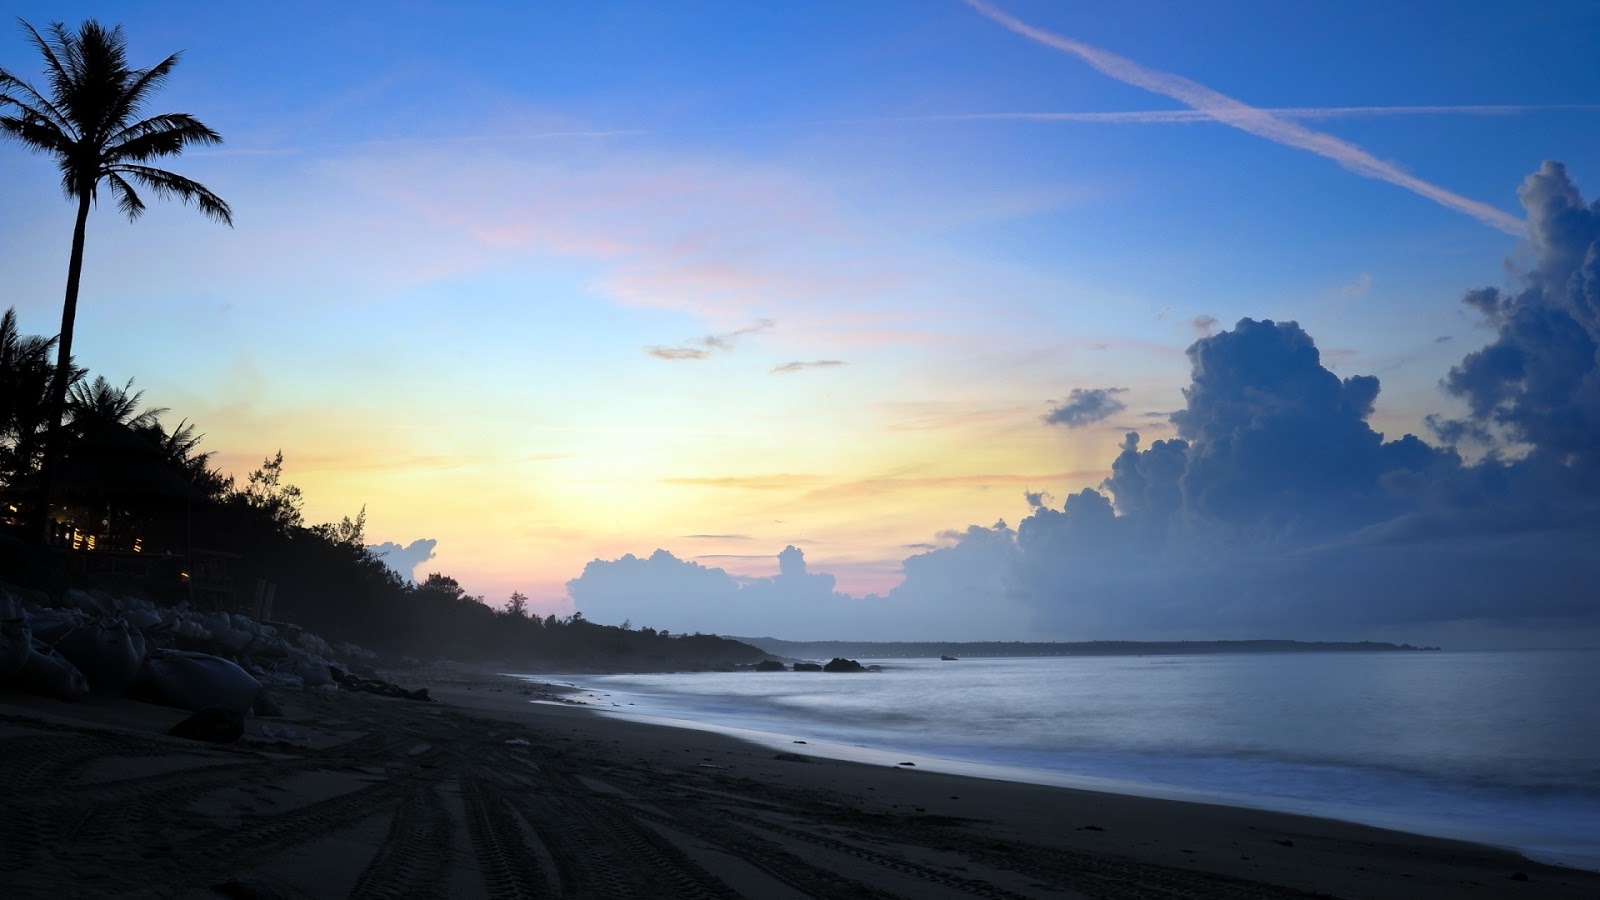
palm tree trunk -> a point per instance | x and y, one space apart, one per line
58 387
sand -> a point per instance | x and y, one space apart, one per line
488 795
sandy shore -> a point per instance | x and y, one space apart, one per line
488 795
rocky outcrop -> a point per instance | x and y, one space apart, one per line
840 664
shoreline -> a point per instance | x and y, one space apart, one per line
486 793
1520 831
1351 838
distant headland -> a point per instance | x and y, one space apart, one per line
966 649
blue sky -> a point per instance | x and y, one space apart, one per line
468 235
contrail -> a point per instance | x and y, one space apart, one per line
1258 122
1184 116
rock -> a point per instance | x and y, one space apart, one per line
770 665
219 726
807 667
840 664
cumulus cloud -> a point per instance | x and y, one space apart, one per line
951 590
1086 406
405 560
801 366
1277 510
1535 388
703 347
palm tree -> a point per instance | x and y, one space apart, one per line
24 397
89 123
102 403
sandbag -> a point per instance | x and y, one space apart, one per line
107 651
195 681
16 643
49 674
142 618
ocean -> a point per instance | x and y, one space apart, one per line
1498 747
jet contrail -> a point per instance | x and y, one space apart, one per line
1183 116
1256 121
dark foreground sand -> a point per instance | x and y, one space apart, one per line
382 797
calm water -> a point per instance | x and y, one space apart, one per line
1501 747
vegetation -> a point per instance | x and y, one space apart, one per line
125 503
128 482
90 124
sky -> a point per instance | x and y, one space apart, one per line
613 303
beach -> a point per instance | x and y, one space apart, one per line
486 794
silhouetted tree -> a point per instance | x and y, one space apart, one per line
517 606
267 492
102 403
89 123
24 397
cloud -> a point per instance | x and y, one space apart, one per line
718 537
405 560
936 600
1191 116
1358 288
1203 325
677 353
799 366
1535 388
1275 511
703 347
1256 121
1086 407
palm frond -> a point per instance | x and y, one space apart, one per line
164 135
36 133
144 83
60 79
170 184
31 102
127 198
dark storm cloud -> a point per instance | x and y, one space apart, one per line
801 366
405 560
1086 407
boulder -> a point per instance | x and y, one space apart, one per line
807 667
769 665
840 664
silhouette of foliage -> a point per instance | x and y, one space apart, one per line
88 120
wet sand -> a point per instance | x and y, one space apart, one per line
488 795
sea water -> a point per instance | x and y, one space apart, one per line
1499 747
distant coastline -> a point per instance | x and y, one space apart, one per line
978 649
